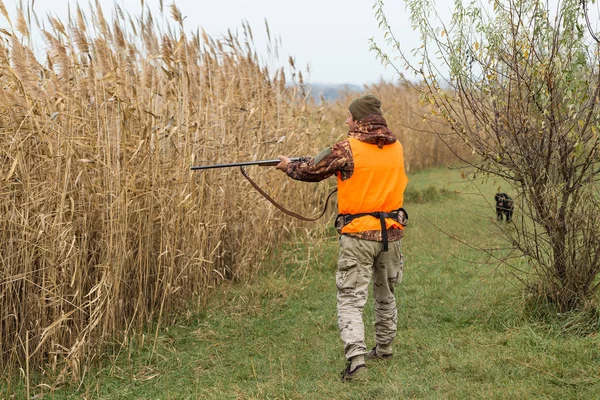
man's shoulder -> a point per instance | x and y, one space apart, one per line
343 144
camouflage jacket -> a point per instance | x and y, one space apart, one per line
338 158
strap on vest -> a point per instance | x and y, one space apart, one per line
400 215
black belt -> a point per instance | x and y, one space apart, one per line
400 215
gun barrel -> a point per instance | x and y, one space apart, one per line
264 163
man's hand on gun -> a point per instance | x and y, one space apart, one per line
282 166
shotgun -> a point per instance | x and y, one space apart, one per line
262 192
264 163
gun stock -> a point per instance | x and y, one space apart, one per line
264 163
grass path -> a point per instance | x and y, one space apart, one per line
462 333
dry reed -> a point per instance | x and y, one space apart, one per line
104 227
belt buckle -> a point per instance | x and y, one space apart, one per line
340 221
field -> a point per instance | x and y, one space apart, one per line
463 329
126 275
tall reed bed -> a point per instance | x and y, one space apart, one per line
103 227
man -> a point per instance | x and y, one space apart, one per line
371 179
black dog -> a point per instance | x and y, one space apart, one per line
504 206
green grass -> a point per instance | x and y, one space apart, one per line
462 331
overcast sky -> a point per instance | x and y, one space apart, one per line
330 36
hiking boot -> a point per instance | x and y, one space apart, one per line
373 355
350 374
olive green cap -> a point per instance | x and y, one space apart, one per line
365 105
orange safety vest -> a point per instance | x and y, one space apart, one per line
377 184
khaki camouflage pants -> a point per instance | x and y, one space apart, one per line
358 262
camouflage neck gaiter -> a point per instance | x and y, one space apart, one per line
373 129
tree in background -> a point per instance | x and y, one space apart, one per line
522 90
